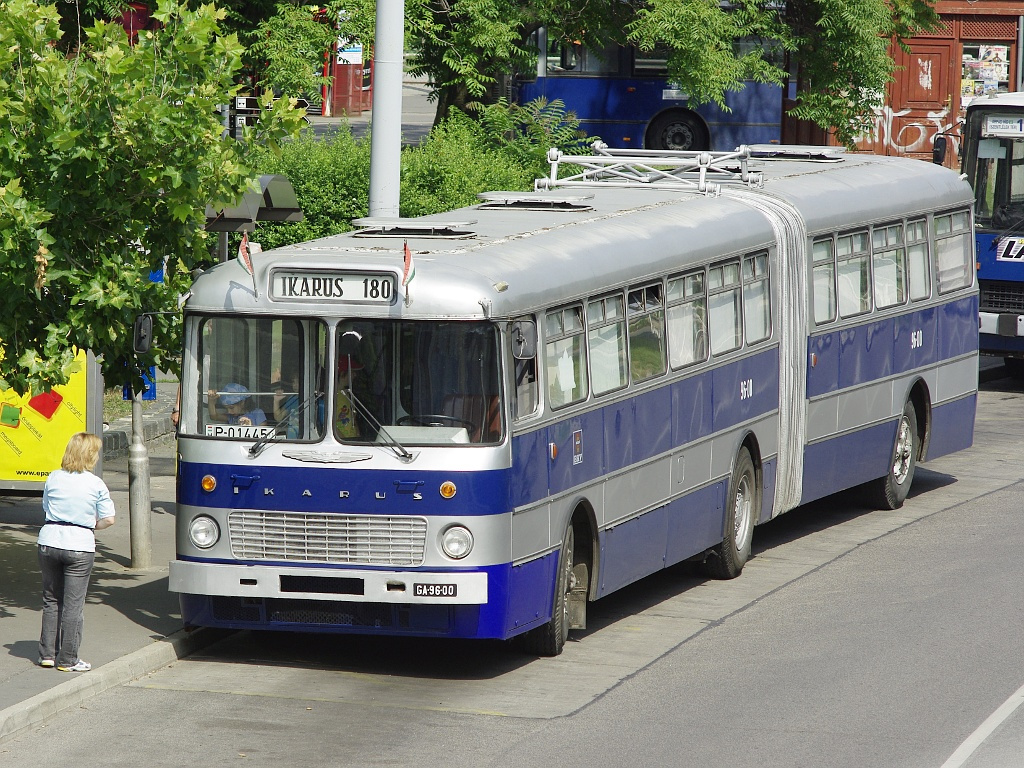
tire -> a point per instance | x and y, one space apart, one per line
549 639
677 131
891 491
1014 367
743 503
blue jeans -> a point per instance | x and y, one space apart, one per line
65 581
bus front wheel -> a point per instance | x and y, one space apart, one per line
743 504
677 131
549 639
891 491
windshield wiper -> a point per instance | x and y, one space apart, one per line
399 450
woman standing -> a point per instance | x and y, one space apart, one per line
76 503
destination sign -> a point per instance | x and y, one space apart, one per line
1004 125
324 286
364 288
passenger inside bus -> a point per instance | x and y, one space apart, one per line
346 422
238 407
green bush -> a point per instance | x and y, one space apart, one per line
452 165
331 180
459 159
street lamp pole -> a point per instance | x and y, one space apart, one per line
386 134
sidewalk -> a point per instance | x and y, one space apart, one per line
132 622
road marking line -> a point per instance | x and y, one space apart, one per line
986 729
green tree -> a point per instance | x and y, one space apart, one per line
842 48
107 161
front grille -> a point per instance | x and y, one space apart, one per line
1002 296
322 538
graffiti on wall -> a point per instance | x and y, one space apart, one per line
899 137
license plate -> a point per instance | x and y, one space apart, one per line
434 590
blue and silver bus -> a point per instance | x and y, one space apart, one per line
993 161
475 424
624 96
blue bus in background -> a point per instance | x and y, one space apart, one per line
993 162
623 96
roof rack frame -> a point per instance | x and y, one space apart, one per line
704 172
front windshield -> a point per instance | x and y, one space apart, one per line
423 382
995 170
380 381
258 378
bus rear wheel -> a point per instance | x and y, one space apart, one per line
743 503
549 639
677 131
891 491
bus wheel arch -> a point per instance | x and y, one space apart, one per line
573 586
744 496
678 129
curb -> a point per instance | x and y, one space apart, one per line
82 686
118 437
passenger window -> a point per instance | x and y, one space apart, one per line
853 272
954 251
565 357
823 279
724 307
687 320
889 262
918 263
757 314
606 337
646 333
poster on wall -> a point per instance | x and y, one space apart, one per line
986 69
34 429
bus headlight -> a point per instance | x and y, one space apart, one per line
457 542
204 532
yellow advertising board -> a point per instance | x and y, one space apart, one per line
34 430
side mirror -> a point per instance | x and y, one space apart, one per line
939 150
142 339
524 339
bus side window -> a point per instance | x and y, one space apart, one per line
954 251
757 302
889 266
917 260
565 357
687 320
724 315
823 279
854 272
646 311
526 388
606 335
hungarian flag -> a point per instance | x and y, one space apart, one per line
410 269
244 258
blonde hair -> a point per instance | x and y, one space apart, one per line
82 453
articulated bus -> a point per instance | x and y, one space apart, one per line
993 160
474 424
624 96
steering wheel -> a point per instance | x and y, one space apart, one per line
434 420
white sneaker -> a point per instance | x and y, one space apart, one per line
79 666
45 662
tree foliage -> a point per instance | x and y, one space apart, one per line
108 158
839 49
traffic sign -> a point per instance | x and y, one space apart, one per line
247 104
